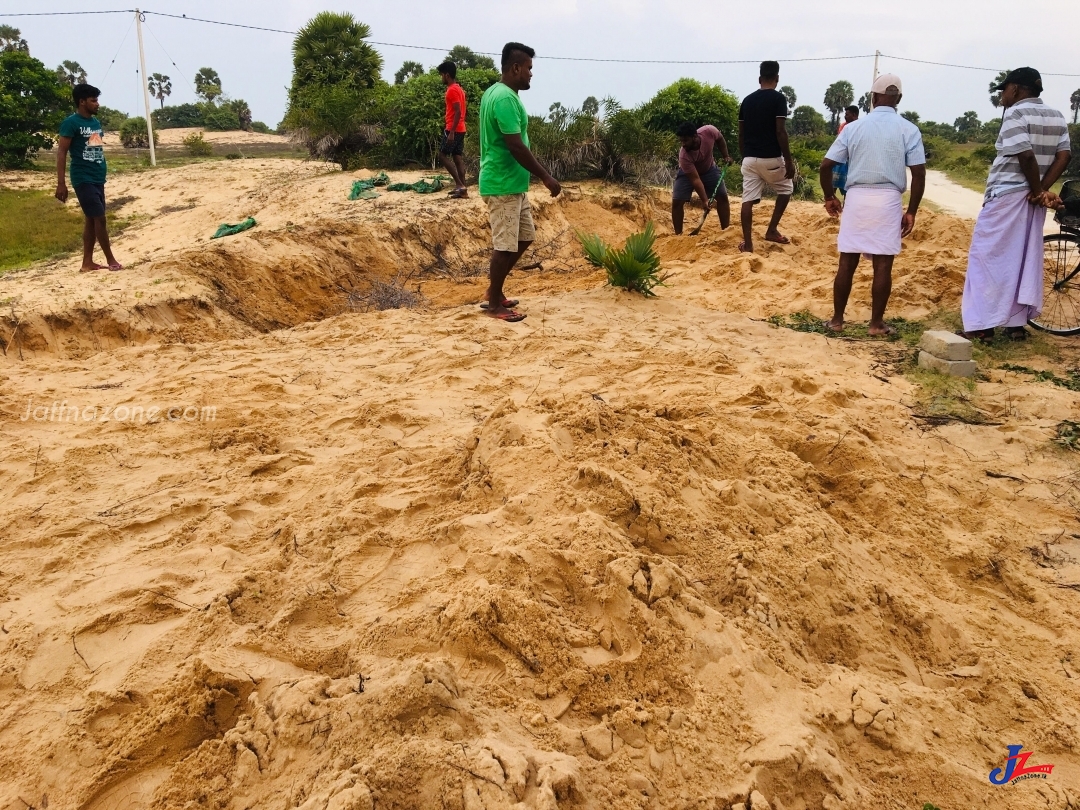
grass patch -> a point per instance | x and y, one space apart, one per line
910 332
1067 435
34 226
940 398
1072 382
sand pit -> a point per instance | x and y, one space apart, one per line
629 553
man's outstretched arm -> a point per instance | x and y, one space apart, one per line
63 146
523 155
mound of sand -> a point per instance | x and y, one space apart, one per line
628 553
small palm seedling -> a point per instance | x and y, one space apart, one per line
634 267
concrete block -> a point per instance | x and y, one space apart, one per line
954 368
946 345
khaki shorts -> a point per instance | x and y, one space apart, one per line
757 173
511 221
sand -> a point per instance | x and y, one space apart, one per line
629 553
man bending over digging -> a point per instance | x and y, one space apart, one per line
505 165
80 134
698 172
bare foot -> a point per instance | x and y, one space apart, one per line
836 325
94 266
744 249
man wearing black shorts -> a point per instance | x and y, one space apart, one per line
81 136
453 144
698 172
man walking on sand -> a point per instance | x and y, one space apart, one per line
452 150
81 136
878 151
763 142
505 166
698 172
1004 283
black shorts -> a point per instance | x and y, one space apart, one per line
91 198
683 190
453 143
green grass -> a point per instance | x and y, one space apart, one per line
908 331
35 226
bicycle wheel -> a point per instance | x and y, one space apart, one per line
1061 285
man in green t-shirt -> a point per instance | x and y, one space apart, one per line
81 136
505 166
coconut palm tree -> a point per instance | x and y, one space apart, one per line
70 73
11 39
408 70
160 86
207 84
330 50
837 98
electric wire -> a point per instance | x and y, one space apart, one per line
113 62
169 56
553 58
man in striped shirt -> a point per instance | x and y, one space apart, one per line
1004 283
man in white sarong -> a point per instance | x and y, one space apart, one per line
878 151
1004 283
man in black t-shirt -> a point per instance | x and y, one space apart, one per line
763 142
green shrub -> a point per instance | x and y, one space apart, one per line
694 101
636 267
133 134
197 146
111 120
33 102
180 115
260 127
233 156
222 119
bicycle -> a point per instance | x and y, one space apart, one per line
1061 269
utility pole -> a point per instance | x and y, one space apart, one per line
145 87
877 54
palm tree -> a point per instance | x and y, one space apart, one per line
11 39
788 92
160 86
243 112
207 84
865 102
1074 104
995 95
409 70
70 73
330 50
837 97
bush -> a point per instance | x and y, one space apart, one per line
111 120
338 122
133 134
33 102
197 146
233 156
806 121
222 119
260 127
694 101
175 117
1073 169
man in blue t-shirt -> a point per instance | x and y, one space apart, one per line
81 136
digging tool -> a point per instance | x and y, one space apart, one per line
708 208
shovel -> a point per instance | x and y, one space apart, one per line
708 208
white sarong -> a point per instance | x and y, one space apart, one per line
1004 283
871 221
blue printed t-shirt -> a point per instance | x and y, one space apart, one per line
87 149
501 113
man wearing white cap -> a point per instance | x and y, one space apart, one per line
878 151
1004 283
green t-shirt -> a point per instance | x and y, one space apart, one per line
87 149
501 113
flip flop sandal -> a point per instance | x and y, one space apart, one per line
783 240
509 303
115 267
512 316
742 248
1017 333
980 335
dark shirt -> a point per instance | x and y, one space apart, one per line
758 113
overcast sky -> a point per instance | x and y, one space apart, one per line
256 65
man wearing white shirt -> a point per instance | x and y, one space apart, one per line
878 150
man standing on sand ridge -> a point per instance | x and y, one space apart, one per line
452 150
505 165
878 151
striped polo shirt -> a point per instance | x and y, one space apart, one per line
878 149
1028 125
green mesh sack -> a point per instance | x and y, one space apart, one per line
229 230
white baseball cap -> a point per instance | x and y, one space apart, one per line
884 82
